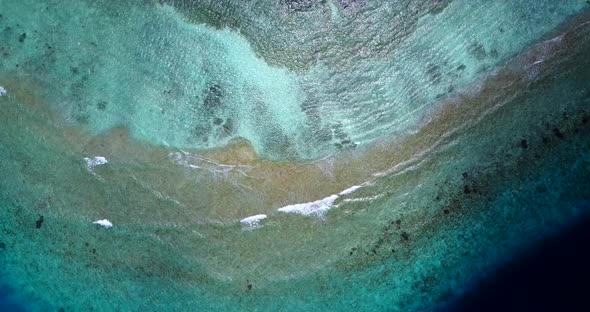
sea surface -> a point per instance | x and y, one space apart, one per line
337 155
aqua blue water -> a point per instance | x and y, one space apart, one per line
461 126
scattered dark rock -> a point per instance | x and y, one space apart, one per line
248 285
346 4
585 120
83 118
524 144
22 37
439 7
217 121
494 53
461 67
74 70
228 126
102 105
477 50
346 142
433 71
86 244
94 250
201 130
61 310
465 175
2 246
545 140
558 133
466 189
446 211
39 222
405 236
298 5
213 97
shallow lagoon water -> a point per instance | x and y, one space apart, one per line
466 126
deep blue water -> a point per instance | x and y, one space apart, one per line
7 302
553 275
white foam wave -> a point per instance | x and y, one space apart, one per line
3 91
253 221
350 190
317 208
353 189
363 199
91 163
104 222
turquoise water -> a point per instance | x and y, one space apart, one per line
192 85
464 123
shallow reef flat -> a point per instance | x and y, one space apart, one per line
400 218
380 70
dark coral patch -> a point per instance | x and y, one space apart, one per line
39 222
213 97
466 189
558 133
